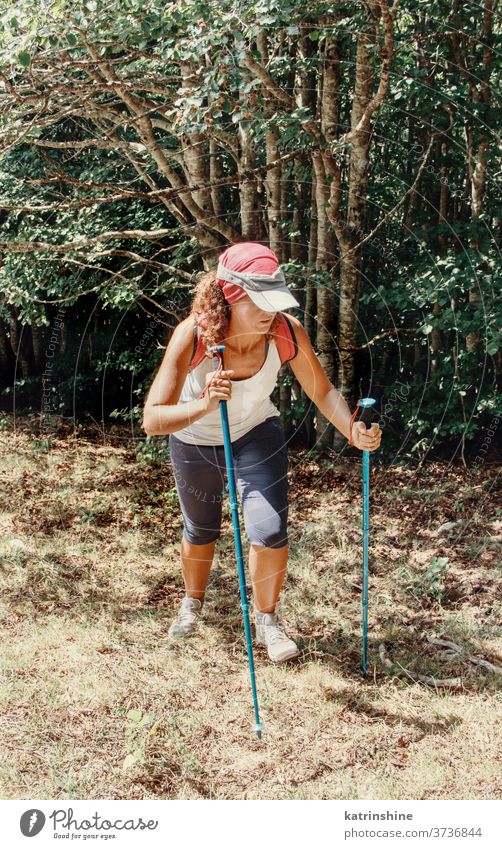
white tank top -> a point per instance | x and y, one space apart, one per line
249 405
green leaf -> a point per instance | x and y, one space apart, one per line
24 59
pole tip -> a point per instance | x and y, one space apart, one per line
258 728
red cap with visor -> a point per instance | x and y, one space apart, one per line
250 268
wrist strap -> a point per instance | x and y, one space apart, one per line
352 419
208 384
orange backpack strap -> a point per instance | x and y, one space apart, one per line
285 339
199 347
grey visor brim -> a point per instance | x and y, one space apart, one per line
254 282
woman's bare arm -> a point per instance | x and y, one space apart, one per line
162 413
316 384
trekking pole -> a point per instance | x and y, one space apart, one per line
365 402
217 351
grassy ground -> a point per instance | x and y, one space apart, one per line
94 703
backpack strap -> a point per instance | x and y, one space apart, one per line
199 347
285 339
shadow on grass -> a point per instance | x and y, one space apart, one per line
357 703
56 582
343 654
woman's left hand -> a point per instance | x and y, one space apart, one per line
366 439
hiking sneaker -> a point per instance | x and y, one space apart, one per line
270 633
187 617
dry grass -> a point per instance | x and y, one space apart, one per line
96 704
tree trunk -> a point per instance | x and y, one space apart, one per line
437 341
305 96
194 151
283 205
311 292
215 173
63 344
273 176
325 294
251 220
4 351
350 265
299 240
19 344
273 189
37 341
477 140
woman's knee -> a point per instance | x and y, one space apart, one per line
278 541
266 525
273 536
200 537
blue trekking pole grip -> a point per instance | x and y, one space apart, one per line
217 351
365 402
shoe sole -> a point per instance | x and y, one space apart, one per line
290 656
180 636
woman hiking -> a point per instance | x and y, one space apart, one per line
241 306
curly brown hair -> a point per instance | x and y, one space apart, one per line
209 302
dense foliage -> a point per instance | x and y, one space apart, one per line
357 139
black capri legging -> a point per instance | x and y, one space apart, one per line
261 471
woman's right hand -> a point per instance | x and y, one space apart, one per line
219 390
